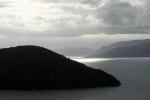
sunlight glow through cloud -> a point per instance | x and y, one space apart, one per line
78 22
80 17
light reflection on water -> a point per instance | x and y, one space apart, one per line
84 60
88 60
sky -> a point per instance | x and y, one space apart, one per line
58 24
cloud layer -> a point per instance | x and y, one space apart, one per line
74 17
58 24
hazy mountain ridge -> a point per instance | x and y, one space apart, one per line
134 48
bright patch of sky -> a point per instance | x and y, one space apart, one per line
70 22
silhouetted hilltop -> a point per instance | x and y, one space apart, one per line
134 48
34 67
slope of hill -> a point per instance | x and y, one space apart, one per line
134 48
34 67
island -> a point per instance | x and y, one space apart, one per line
32 67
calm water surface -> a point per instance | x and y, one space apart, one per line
134 73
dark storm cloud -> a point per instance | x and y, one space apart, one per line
124 17
118 14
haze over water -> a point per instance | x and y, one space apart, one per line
82 25
133 73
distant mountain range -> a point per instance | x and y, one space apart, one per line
134 48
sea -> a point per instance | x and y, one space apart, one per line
134 74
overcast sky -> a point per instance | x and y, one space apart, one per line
72 23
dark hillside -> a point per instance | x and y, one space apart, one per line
34 67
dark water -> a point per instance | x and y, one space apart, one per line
133 73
